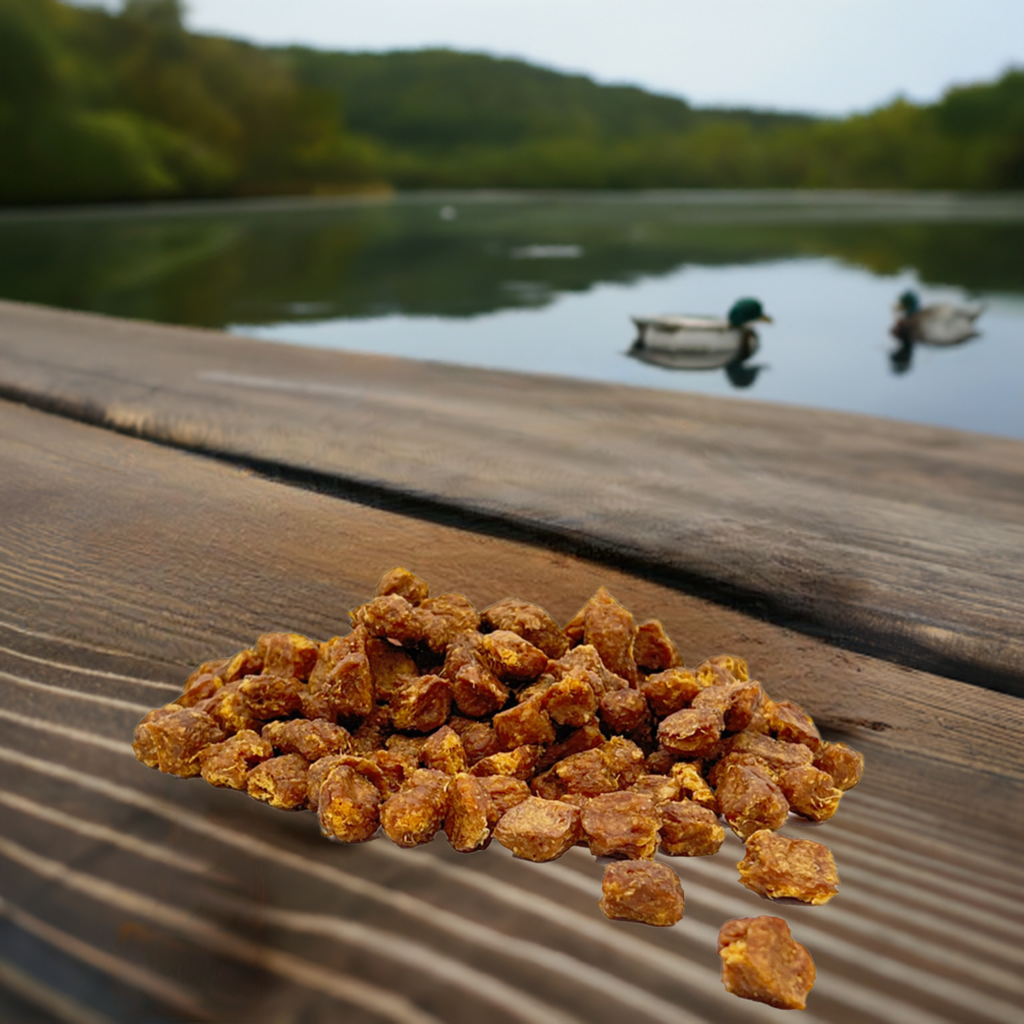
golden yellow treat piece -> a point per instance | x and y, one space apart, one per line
762 961
782 868
642 891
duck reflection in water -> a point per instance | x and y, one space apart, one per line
942 324
703 343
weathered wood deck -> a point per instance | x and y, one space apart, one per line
129 896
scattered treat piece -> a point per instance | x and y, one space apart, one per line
782 868
280 781
430 716
690 830
643 891
762 961
539 830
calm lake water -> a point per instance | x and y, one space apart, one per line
548 284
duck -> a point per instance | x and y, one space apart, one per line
708 342
942 323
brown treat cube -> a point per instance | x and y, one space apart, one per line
145 739
177 739
571 701
690 830
722 668
692 785
750 801
391 616
585 738
669 691
320 769
504 793
478 739
203 683
762 961
625 760
512 659
611 629
779 756
414 815
585 773
718 769
228 763
810 792
470 812
271 696
444 752
390 667
393 772
782 868
526 723
372 731
312 740
402 582
642 891
518 763
660 788
660 761
792 724
621 825
229 708
348 808
530 621
477 691
408 748
280 782
585 662
624 711
735 702
245 663
547 785
693 732
343 674
539 830
652 648
843 763
422 705
444 618
317 706
287 655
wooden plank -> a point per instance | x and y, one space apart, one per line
123 563
890 538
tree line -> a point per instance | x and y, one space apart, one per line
101 106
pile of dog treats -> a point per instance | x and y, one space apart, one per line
429 716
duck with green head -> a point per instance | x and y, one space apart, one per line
716 340
941 323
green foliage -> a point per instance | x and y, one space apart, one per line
99 106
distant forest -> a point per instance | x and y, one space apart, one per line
96 106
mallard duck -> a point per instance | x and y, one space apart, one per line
718 339
939 324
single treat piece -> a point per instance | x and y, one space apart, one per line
811 792
689 830
470 813
391 616
778 755
662 789
348 806
571 701
611 629
670 691
245 663
691 733
373 731
423 705
390 667
477 691
782 868
229 708
312 740
587 773
530 621
518 763
643 891
402 582
444 752
621 825
287 655
624 711
321 769
652 648
625 760
393 772
203 683
660 761
408 748
585 738
843 763
175 740
750 801
526 723
514 660
478 739
692 785
736 702
343 674
145 746
268 696
762 961
539 830
792 724
228 763
280 782
504 793
414 815
722 668
444 618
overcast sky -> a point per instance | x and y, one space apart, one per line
830 56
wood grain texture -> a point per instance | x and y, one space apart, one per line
900 540
128 896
